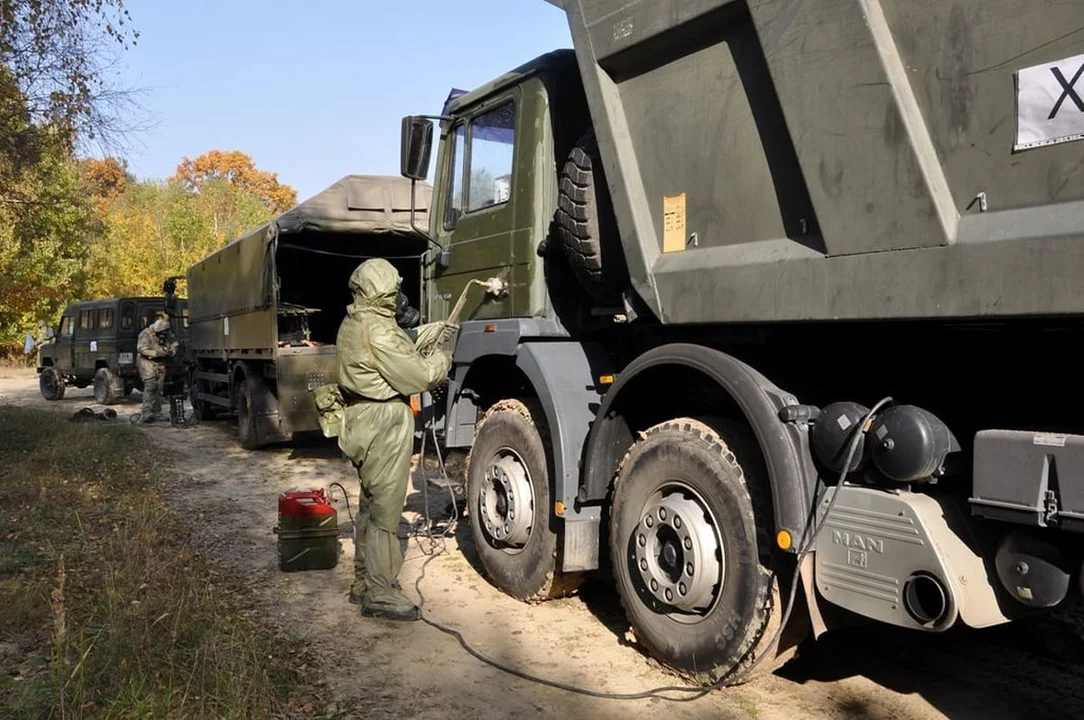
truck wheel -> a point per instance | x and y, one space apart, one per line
51 384
250 391
105 386
246 424
508 496
203 410
689 556
586 225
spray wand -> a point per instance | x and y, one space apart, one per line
493 286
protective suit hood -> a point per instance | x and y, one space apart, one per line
375 286
160 325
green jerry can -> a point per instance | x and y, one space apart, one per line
308 531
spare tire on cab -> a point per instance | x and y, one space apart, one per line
586 226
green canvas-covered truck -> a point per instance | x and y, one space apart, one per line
266 308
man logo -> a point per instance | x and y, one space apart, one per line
858 542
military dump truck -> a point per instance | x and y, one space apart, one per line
266 308
96 344
793 321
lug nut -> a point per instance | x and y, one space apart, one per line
654 586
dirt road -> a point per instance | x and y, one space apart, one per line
379 669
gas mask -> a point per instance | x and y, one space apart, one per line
406 316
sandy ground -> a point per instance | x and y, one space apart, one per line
376 669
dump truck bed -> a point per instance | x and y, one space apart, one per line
774 160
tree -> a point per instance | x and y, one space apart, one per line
240 170
55 54
105 178
43 244
153 230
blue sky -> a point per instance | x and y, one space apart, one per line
314 90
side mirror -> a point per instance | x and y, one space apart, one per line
415 146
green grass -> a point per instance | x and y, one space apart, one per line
108 610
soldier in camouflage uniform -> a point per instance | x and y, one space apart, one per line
153 347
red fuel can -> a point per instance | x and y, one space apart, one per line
308 531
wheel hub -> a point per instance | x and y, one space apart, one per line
678 554
507 502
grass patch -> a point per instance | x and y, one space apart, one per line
18 366
108 610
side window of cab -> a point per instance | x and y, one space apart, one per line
481 164
67 326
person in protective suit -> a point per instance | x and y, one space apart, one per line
379 368
152 348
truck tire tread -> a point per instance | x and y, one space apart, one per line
744 643
583 219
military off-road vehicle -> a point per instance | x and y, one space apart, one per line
96 344
795 315
266 308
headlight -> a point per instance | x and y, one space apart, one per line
126 358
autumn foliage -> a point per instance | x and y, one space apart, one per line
88 229
240 171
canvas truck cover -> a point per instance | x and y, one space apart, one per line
238 278
370 204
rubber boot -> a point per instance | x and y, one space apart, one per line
390 605
383 559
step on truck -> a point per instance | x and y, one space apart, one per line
266 308
794 320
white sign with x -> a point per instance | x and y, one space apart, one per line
1050 103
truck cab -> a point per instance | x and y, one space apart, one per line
499 148
96 344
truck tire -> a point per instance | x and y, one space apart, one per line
105 386
586 226
247 432
682 502
202 410
508 501
51 384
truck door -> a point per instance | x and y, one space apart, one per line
64 348
84 344
126 335
477 215
105 335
